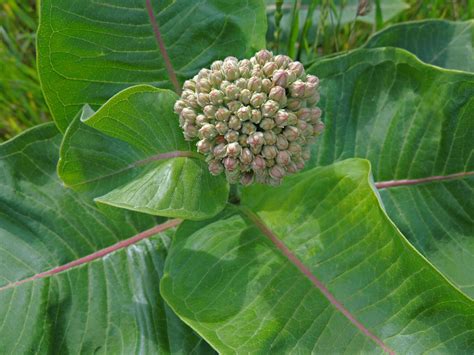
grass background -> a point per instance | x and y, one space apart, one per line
293 29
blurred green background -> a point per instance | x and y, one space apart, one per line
303 29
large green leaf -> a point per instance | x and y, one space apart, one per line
412 121
89 50
50 306
443 43
233 286
141 161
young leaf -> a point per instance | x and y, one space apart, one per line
72 280
88 51
443 43
349 282
414 123
142 161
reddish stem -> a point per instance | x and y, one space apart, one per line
161 45
98 254
394 183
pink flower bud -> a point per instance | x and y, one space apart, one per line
244 113
254 84
233 149
291 133
247 179
210 111
232 92
230 70
270 108
277 94
208 131
282 142
309 90
220 151
203 99
234 106
269 68
234 123
216 97
304 114
246 156
258 99
294 104
267 124
281 118
201 120
283 158
294 148
269 151
263 56
280 78
258 163
248 128
190 131
312 79
231 164
282 61
221 127
222 114
318 128
277 172
245 96
204 146
269 137
297 89
255 139
188 114
256 116
231 136
266 85
297 68
215 167
179 106
216 78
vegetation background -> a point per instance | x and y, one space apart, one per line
304 29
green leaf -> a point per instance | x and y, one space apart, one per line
141 161
89 51
413 122
231 283
443 43
61 289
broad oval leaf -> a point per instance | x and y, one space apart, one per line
70 279
136 158
89 50
443 43
414 122
233 285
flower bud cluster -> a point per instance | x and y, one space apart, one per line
254 118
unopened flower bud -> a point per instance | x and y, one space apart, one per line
232 92
299 164
221 127
215 167
216 97
258 163
280 78
231 164
269 137
188 114
248 128
267 124
245 96
216 78
269 68
245 68
278 94
282 61
294 104
189 85
309 90
256 116
201 120
203 99
243 140
269 108
244 113
270 162
231 136
222 114
291 77
281 118
179 106
216 65
246 156
304 114
291 168
247 179
203 74
277 172
203 85
282 142
313 100
204 146
208 131
313 79
297 89
297 68
233 149
292 118
234 106
255 139
220 151
210 111
318 128
241 83
291 133
283 158
230 70
272 181
254 83
190 131
234 123
266 85
269 151
224 85
294 148
258 99
263 56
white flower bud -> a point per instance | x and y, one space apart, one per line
277 172
269 151
281 118
245 68
210 111
277 94
190 131
231 136
231 164
309 90
179 106
222 114
280 78
255 139
297 89
282 61
216 78
254 84
188 114
216 97
269 68
270 108
312 79
234 106
224 85
248 128
233 149
267 85
230 70
241 83
215 167
258 163
256 116
246 156
291 77
263 56
201 120
269 137
189 85
203 85
191 101
267 124
245 96
203 74
282 142
220 151
232 92
294 104
203 99
291 133
204 146
221 127
208 131
217 65
258 99
244 113
297 68
234 123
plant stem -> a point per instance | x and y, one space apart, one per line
303 40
